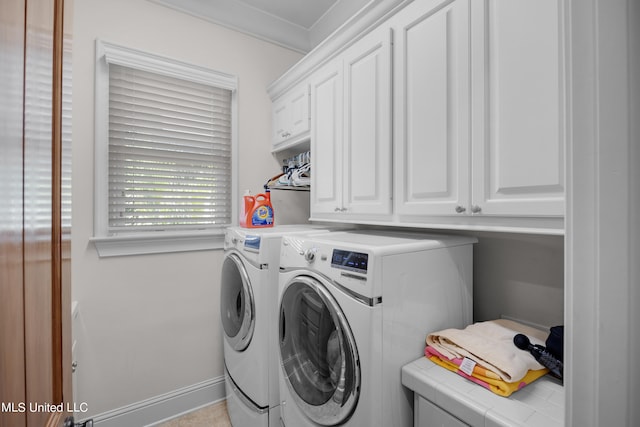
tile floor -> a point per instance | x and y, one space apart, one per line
210 416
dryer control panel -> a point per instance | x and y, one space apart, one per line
348 260
350 269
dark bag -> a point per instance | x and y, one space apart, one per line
555 342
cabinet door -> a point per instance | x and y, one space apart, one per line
326 138
280 120
518 112
367 126
429 415
299 107
432 99
291 114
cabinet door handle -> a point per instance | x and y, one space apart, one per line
476 209
460 209
337 209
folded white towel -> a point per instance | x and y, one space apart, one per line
490 344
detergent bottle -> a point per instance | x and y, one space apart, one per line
247 200
256 211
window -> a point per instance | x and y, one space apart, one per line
165 152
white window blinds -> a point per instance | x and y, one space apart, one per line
169 152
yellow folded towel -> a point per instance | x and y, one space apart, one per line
490 345
483 377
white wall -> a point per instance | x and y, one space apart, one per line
149 324
519 276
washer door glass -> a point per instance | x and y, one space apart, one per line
318 352
236 303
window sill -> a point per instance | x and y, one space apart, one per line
156 243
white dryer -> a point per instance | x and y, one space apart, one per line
248 308
356 306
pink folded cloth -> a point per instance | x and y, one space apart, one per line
481 376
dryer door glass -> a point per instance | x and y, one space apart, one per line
318 352
236 303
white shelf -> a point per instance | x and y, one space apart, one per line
290 187
296 145
540 403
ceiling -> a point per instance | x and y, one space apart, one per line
296 24
300 12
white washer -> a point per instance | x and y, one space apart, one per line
354 308
248 309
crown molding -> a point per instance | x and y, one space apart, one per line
366 19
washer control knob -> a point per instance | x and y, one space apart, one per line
310 254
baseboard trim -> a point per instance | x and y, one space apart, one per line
164 407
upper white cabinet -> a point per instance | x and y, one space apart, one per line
351 131
477 135
479 110
367 124
432 114
326 138
518 111
291 116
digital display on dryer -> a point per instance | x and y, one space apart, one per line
252 243
347 260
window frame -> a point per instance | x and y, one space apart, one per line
148 242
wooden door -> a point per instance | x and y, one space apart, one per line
12 386
35 368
